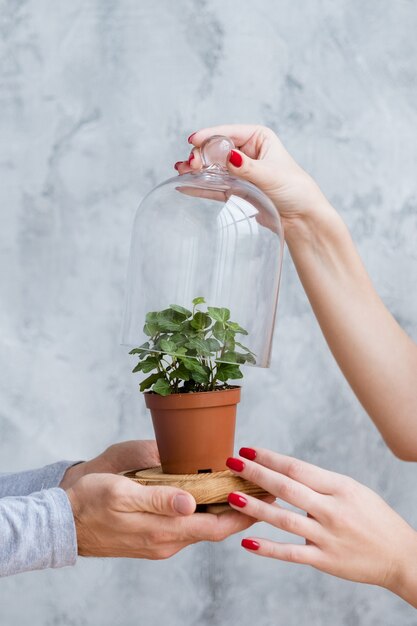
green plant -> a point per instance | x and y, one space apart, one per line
191 351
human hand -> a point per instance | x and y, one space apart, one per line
350 531
260 158
117 458
116 517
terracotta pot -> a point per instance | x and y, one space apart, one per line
194 431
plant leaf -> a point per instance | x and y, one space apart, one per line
200 376
200 321
225 371
179 339
236 328
213 344
151 329
148 382
199 300
244 348
152 317
220 315
200 345
229 357
250 358
143 348
219 332
162 387
167 346
170 320
181 309
146 366
181 372
149 364
193 365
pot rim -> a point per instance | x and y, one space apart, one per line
221 397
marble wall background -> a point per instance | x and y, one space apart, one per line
96 101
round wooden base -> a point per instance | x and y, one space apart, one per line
206 488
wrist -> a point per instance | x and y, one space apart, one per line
73 473
317 224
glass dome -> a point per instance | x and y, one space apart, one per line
206 236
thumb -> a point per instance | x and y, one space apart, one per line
163 500
253 170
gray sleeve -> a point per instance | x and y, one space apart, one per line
37 532
24 483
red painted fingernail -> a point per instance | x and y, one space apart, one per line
177 164
235 158
190 137
235 464
248 453
250 544
237 500
191 157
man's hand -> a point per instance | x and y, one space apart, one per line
115 516
117 458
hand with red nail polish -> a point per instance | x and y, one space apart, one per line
349 531
260 158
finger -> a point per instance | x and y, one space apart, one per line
138 454
193 163
182 167
195 160
254 170
319 479
293 553
212 527
277 516
278 485
162 500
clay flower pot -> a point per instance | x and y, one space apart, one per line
194 431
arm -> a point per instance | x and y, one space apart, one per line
25 483
376 356
378 359
37 532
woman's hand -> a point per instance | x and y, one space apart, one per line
260 158
349 530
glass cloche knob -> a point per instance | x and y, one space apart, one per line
209 236
215 151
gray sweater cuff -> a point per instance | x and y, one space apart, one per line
64 540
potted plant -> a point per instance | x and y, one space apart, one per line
189 358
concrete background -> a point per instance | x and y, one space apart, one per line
96 101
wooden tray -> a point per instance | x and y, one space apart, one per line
207 487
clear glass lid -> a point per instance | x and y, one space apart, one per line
206 257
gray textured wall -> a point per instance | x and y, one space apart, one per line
96 100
